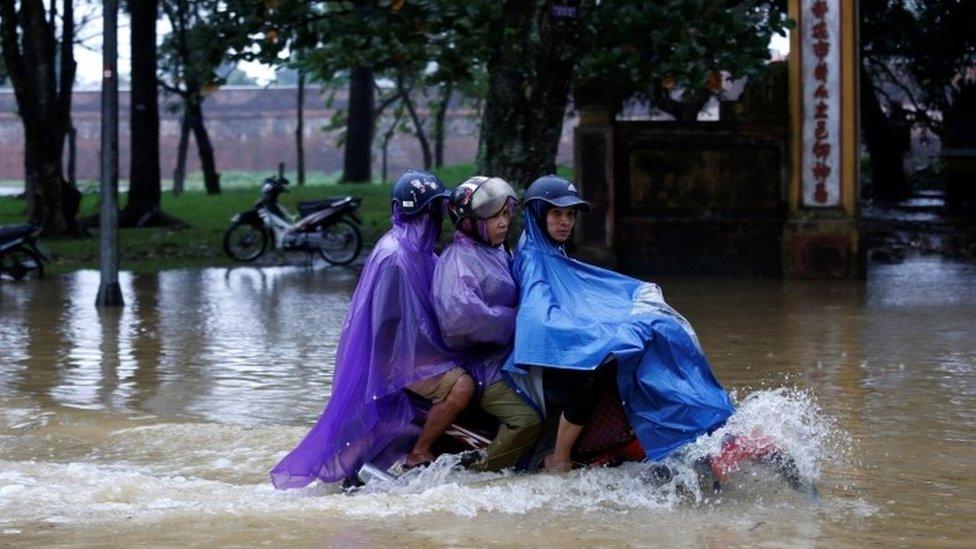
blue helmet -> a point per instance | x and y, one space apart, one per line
415 190
556 191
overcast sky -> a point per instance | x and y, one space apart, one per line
88 54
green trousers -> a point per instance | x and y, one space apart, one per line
519 429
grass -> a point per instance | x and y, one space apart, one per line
200 245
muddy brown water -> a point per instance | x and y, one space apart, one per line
157 423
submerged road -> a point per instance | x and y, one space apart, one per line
158 423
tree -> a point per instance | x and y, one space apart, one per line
143 203
684 51
190 57
539 51
531 61
920 54
357 164
41 68
535 53
359 43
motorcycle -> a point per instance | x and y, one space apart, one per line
329 227
20 257
606 441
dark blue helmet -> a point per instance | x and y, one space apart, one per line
556 191
415 190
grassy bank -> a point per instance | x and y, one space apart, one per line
200 244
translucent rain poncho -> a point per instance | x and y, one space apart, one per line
574 315
475 298
390 340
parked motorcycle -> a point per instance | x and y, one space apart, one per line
20 257
329 227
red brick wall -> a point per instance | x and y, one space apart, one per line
251 129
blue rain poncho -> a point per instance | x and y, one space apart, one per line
574 315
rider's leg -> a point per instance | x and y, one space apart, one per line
518 430
561 457
440 417
579 406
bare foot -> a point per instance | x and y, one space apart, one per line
551 463
418 458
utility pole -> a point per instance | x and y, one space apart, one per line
109 292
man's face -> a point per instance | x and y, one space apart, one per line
560 222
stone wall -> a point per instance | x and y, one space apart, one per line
251 128
705 198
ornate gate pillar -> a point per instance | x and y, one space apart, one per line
821 238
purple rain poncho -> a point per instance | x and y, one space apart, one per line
390 340
475 297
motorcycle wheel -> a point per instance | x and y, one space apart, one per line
343 242
20 263
245 241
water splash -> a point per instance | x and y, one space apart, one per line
791 418
159 470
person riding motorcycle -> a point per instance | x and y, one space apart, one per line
390 342
475 300
577 320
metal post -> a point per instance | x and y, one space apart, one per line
109 292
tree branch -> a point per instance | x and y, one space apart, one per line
12 56
920 111
417 123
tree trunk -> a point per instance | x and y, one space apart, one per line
357 164
418 124
529 77
300 129
144 173
32 63
72 138
70 195
386 139
439 122
67 67
179 173
959 132
887 154
211 179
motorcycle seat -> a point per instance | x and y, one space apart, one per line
311 206
15 231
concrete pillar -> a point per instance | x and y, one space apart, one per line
822 238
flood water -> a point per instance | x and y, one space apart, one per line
158 423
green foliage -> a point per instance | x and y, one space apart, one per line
650 49
625 48
923 48
190 55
